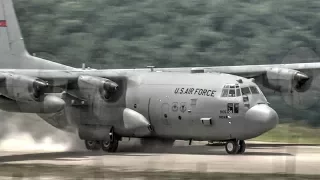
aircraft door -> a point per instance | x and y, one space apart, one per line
165 113
159 116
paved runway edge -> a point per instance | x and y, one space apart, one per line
259 158
42 171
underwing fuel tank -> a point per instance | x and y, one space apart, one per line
50 104
134 124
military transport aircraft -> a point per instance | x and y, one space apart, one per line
162 105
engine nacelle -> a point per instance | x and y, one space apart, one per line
89 85
50 103
285 80
22 88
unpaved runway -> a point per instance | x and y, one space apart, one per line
259 158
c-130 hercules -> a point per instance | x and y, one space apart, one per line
162 105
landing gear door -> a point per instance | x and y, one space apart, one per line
159 114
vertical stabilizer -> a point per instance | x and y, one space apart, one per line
10 35
13 53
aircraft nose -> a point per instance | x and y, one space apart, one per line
260 119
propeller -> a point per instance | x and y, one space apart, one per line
304 93
109 88
305 89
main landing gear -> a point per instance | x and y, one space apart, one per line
235 147
107 146
93 145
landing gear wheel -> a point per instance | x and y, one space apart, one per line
242 148
110 146
92 145
232 147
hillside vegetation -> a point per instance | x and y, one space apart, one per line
125 33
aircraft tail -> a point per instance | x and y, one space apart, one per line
13 53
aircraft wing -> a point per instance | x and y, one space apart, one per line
297 83
248 71
30 86
252 71
298 80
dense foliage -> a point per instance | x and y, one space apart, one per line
125 33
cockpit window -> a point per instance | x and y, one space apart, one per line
225 93
232 93
254 90
231 90
238 93
250 90
245 90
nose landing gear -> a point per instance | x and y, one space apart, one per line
235 147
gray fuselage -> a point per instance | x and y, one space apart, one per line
193 106
183 106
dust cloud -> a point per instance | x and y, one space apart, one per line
27 132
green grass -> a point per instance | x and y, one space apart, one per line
292 133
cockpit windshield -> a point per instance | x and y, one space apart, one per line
245 90
231 90
234 90
254 90
250 90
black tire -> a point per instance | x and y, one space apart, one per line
92 145
242 148
110 146
232 147
115 145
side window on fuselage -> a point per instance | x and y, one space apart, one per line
230 108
